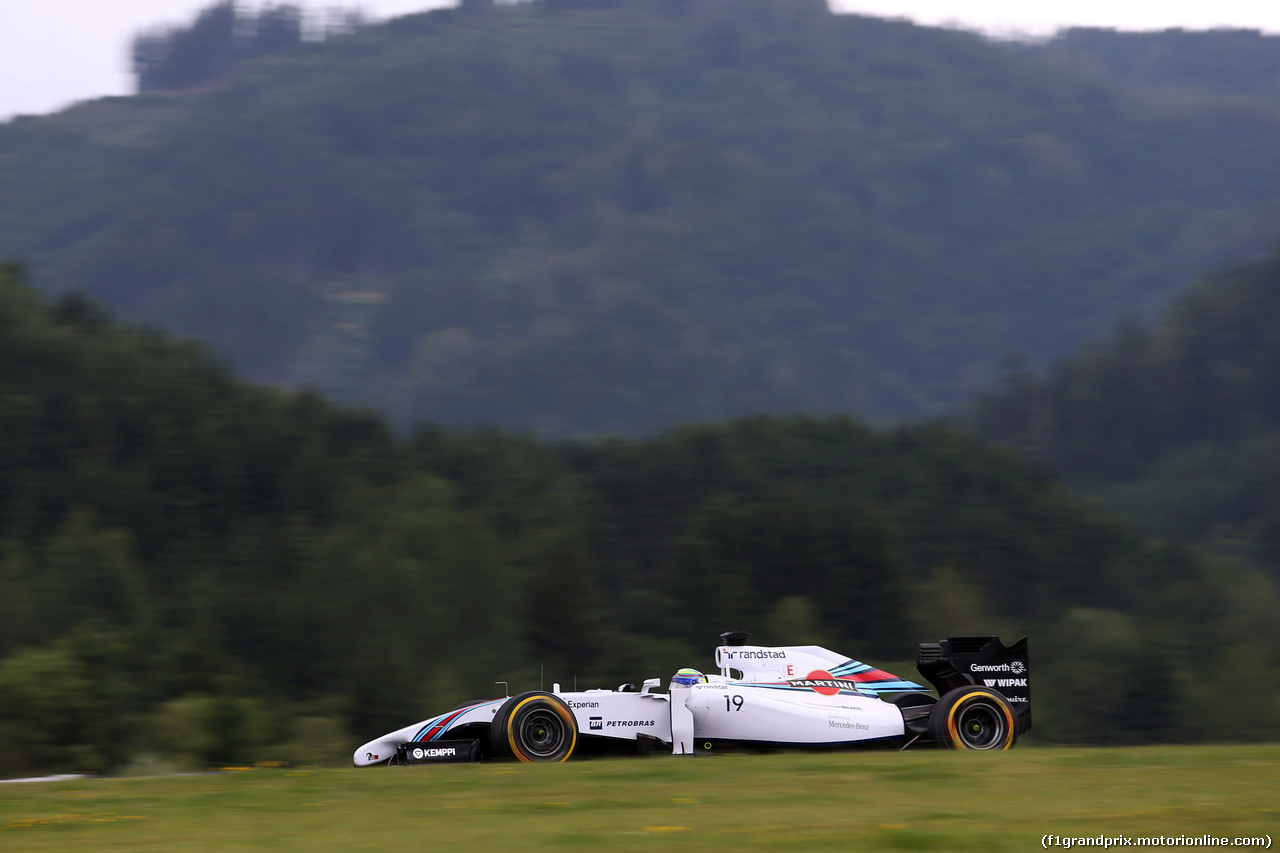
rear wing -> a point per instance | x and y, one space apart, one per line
983 661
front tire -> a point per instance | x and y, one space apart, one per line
532 727
973 717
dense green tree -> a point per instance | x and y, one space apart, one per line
562 606
1176 423
1174 62
196 571
175 59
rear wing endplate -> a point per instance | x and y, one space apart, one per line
983 661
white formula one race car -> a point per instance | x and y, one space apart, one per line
792 697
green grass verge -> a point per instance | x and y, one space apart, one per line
867 801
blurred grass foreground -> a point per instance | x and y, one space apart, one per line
928 800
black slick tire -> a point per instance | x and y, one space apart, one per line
534 726
973 717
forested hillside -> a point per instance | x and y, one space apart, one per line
609 217
1173 64
1176 423
223 35
195 571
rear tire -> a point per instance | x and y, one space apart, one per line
973 717
532 727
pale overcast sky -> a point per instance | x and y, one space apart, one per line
56 52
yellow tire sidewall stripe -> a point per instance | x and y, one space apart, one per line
511 721
954 736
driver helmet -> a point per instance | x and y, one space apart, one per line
688 675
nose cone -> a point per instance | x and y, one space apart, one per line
374 752
383 749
